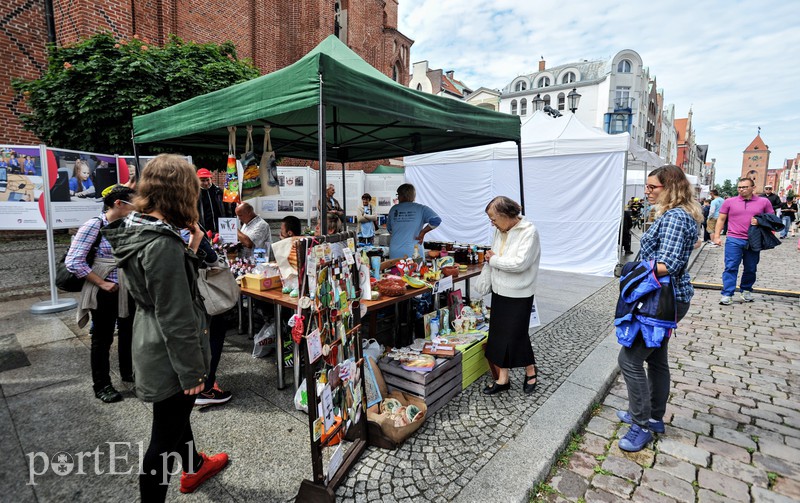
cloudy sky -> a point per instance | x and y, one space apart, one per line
735 61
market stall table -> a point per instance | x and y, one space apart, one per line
279 299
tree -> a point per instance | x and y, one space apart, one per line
87 98
728 189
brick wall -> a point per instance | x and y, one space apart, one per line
273 33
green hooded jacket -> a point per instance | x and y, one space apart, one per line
171 349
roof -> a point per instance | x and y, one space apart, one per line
589 70
757 144
367 115
680 127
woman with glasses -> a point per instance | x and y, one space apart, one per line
668 243
509 274
104 294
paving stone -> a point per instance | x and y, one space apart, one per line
667 484
602 427
622 467
582 463
787 487
761 495
706 496
695 425
717 420
688 453
734 437
729 414
569 483
593 444
717 482
643 458
674 466
741 471
778 450
778 428
760 433
723 448
645 495
594 495
685 436
777 465
614 485
762 414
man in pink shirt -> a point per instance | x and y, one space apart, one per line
739 212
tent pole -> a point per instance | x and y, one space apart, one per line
323 182
135 155
344 198
521 180
622 212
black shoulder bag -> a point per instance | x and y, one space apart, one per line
66 280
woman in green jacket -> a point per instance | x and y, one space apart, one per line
170 338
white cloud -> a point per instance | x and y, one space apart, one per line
733 62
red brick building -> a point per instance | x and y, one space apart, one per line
755 162
273 33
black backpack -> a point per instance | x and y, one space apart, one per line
66 280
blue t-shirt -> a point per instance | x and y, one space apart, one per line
368 227
713 208
73 184
404 223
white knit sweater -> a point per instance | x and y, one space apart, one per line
515 265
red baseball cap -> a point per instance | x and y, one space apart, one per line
203 173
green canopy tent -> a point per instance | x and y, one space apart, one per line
331 106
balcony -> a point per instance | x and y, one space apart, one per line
623 105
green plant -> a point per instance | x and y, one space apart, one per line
773 477
727 189
90 92
573 445
601 471
541 490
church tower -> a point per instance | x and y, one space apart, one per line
755 161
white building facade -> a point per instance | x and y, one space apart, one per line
614 93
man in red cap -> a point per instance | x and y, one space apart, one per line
210 206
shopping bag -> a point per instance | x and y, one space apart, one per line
218 288
269 168
230 193
251 178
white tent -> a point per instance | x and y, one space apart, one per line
573 182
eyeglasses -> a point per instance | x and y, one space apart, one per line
651 188
745 187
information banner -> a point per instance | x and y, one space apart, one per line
383 189
21 185
297 186
77 181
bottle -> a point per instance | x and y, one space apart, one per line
434 327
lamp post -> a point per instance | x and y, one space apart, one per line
573 98
538 103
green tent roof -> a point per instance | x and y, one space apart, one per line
367 115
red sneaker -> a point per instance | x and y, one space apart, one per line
210 467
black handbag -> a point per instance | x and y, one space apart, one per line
67 281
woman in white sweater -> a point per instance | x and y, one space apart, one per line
512 266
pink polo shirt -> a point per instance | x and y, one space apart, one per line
741 211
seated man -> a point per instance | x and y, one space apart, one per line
254 231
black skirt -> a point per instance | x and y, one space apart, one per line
509 344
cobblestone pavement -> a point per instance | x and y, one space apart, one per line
733 417
23 270
455 443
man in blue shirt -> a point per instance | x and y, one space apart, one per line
408 222
713 212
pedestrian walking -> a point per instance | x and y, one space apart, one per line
739 213
788 215
509 274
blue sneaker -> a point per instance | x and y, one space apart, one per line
636 439
656 426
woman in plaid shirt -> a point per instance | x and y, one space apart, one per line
101 295
668 243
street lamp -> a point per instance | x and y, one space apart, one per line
538 103
573 98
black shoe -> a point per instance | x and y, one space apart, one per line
529 388
628 252
128 378
108 394
496 388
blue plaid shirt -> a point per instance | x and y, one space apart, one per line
671 240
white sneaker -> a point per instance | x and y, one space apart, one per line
725 300
747 296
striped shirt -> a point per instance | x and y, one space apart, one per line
82 244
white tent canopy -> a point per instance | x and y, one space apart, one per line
573 182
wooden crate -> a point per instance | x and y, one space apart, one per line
435 388
473 362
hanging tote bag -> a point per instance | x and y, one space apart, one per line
230 193
251 178
217 287
269 168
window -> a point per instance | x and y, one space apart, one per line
544 82
624 66
523 107
513 107
569 78
520 86
547 100
561 100
622 97
419 87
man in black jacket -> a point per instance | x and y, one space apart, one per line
774 199
210 206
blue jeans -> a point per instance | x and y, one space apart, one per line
787 223
737 252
